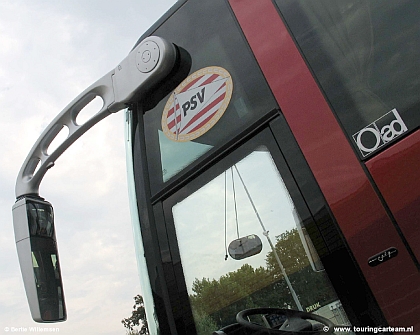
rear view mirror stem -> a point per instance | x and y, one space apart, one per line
33 217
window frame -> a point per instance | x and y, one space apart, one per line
340 266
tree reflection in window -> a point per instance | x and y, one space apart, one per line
219 289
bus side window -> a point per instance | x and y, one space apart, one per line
364 55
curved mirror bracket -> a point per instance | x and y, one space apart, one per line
146 66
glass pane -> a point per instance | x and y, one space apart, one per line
175 156
40 219
249 200
364 54
224 48
146 289
47 277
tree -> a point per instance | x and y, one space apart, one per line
204 323
248 287
291 252
218 301
137 318
311 287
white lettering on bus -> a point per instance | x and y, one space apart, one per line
383 131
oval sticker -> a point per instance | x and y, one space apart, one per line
198 103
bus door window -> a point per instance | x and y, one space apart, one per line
249 204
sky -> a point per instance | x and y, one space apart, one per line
207 238
50 51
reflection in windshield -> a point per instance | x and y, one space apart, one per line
280 275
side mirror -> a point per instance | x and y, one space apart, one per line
245 247
130 83
33 221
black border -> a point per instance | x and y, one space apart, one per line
164 266
346 277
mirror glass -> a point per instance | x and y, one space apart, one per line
245 247
33 220
47 278
45 263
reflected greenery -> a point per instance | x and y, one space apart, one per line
216 302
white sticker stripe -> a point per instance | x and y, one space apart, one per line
195 123
202 80
201 119
216 95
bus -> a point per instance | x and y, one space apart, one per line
273 170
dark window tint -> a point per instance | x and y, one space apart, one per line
40 219
209 33
365 55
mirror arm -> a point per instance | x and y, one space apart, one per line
146 66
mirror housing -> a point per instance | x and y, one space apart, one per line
33 221
245 247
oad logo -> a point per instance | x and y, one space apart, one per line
197 104
380 132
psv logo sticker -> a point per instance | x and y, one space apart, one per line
197 104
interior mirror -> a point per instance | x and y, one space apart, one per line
245 247
33 221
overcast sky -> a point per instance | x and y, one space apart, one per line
207 239
50 51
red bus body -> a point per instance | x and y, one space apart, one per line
289 128
372 193
346 184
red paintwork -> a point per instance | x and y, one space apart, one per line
356 207
396 172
